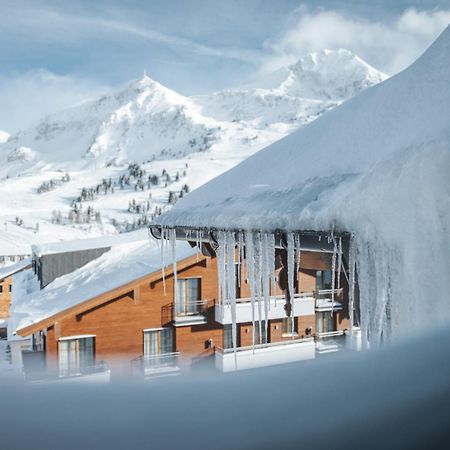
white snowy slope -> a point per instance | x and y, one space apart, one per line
161 130
122 264
377 166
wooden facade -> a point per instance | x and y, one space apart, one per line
118 319
5 296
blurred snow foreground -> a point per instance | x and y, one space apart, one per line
396 397
376 167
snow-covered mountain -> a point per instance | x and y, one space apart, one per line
183 141
297 94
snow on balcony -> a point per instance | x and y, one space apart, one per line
303 306
191 313
326 302
264 355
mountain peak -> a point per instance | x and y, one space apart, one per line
330 74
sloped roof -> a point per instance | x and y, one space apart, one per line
116 268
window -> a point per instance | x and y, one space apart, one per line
77 355
158 341
287 326
323 280
260 338
324 322
1 288
228 336
10 287
188 290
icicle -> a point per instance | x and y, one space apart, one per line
271 262
290 273
351 288
239 258
163 263
297 259
258 273
250 266
173 244
231 287
333 273
266 280
339 268
221 267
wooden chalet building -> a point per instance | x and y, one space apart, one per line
6 286
119 314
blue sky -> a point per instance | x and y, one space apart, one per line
54 53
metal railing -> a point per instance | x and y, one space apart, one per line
157 362
191 308
261 346
322 294
83 370
300 295
329 334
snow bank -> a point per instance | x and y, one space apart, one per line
376 166
122 264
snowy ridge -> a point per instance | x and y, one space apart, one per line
376 166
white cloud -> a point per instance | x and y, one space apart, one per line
25 98
389 47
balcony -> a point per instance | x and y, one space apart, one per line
155 366
264 355
191 313
324 300
303 306
330 342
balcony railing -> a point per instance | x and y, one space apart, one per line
303 306
83 370
190 313
163 364
261 346
262 355
324 300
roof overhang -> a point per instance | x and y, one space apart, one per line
316 241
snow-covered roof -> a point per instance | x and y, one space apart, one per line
123 264
377 166
294 182
14 268
87 244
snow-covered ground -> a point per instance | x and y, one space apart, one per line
162 131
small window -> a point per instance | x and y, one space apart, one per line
76 356
323 280
260 338
227 336
10 287
188 290
1 288
290 327
325 322
158 341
